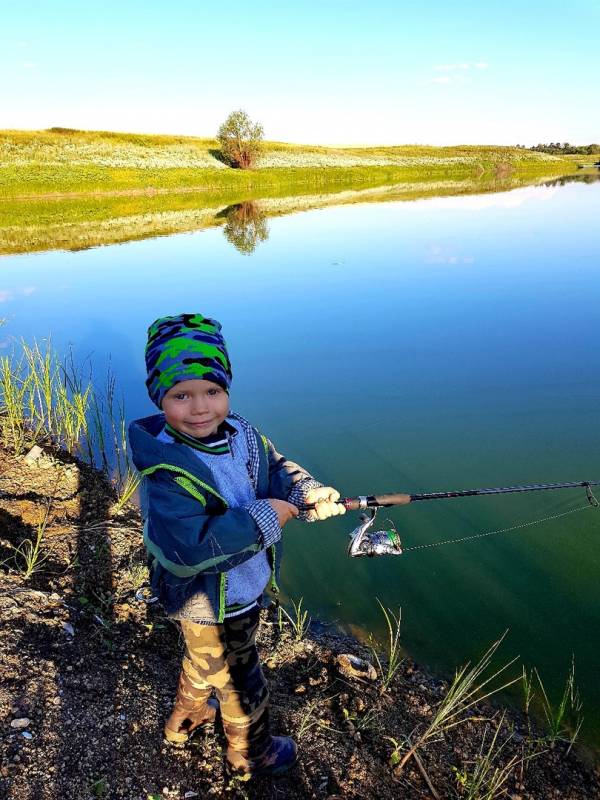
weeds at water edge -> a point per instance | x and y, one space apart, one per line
487 777
467 689
300 620
41 400
565 719
394 658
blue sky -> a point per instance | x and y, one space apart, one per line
375 72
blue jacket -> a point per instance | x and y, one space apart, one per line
191 534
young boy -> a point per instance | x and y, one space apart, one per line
216 496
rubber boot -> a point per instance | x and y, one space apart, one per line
280 756
252 751
193 709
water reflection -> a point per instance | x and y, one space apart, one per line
246 225
583 177
82 222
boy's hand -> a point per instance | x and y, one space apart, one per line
284 510
324 499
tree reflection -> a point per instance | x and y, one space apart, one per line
245 226
586 177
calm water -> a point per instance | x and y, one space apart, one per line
428 345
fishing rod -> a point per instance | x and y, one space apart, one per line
400 499
387 542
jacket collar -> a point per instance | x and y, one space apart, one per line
148 451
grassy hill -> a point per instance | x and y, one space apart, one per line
63 161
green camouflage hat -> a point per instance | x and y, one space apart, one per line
182 348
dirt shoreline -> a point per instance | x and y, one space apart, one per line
88 675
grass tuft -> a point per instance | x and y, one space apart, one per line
563 720
468 688
389 666
487 777
299 620
29 556
41 400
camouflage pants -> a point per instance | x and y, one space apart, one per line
224 658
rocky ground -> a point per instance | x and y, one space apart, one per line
88 674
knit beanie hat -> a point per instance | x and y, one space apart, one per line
182 348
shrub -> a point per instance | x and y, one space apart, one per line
240 140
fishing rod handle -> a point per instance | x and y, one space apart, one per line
376 501
367 501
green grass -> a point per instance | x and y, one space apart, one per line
84 162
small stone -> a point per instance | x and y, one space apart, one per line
69 628
69 668
23 722
27 735
56 701
33 455
300 689
190 794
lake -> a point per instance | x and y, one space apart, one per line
423 345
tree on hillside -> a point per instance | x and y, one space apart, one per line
240 140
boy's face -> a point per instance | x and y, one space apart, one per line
196 407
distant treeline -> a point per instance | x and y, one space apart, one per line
564 148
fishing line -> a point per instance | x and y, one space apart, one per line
500 530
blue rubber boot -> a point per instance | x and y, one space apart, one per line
281 755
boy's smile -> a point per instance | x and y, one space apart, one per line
196 407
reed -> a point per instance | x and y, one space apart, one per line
107 443
487 777
468 688
14 397
528 690
389 666
564 719
299 620
46 400
126 488
38 402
